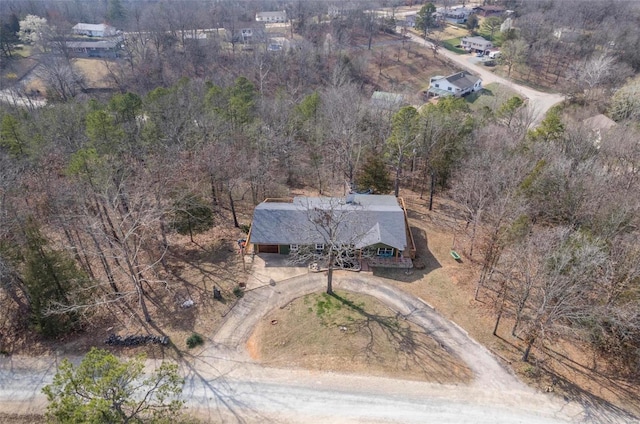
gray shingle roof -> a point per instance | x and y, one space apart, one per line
362 222
463 80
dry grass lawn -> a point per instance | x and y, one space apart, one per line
94 71
352 333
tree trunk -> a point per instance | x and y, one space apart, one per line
143 304
396 189
88 267
214 193
495 327
527 351
233 210
433 186
105 264
330 274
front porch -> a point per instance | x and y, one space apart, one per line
400 262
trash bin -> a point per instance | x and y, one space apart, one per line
216 293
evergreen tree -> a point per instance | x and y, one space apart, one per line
116 13
374 175
51 278
425 19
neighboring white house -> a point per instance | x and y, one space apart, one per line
272 17
455 15
343 9
94 30
457 85
476 43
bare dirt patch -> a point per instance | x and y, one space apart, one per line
352 333
397 65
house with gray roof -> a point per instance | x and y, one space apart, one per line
375 224
102 49
454 15
94 30
477 43
458 84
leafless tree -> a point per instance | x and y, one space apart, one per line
60 77
333 234
514 52
342 110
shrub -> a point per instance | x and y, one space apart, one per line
194 340
238 292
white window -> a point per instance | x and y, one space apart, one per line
319 246
294 247
449 88
385 251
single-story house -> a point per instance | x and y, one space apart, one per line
454 15
477 43
102 48
272 17
490 10
374 226
457 85
94 30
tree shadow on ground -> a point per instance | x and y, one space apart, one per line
423 254
596 408
414 347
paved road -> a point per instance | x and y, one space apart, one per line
15 96
538 101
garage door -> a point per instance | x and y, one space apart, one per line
267 248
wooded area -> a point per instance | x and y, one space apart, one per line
93 185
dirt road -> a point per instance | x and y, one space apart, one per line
222 383
538 101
